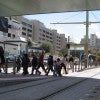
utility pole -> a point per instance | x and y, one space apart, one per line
68 45
86 42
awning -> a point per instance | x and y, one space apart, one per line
18 39
23 7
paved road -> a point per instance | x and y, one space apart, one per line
69 87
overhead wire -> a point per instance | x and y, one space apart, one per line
71 16
94 15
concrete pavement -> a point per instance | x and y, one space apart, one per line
11 79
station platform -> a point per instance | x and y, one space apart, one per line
11 79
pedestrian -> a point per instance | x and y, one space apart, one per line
25 63
2 58
58 67
63 64
55 68
50 64
34 65
18 63
41 62
71 61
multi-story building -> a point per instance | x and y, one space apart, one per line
42 34
34 30
11 40
93 41
26 27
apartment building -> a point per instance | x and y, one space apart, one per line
11 40
93 41
26 27
42 34
20 27
38 33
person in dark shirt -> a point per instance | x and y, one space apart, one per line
40 62
71 62
2 58
50 64
25 64
18 63
34 65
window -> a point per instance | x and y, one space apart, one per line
29 25
23 33
30 35
23 28
44 31
29 30
24 23
9 26
13 35
9 34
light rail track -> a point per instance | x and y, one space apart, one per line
65 88
48 82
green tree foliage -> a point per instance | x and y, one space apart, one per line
63 51
47 47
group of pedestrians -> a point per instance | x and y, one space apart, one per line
37 62
54 66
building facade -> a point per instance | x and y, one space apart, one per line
93 41
39 33
33 30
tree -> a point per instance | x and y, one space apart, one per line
63 51
47 47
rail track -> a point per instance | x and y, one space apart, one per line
41 83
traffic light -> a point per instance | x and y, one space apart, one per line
68 46
29 43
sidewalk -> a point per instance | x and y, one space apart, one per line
10 78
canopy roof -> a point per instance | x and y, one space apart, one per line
18 39
23 7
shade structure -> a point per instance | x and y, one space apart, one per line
23 7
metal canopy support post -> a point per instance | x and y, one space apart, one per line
86 43
27 42
68 46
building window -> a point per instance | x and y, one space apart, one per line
50 33
24 23
9 34
29 30
47 32
23 33
29 25
43 35
30 35
23 28
44 31
13 36
9 26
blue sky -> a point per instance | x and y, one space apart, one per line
75 31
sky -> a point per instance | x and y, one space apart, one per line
75 31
